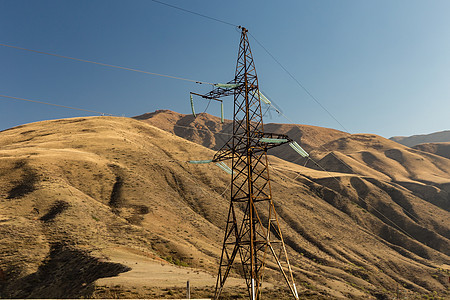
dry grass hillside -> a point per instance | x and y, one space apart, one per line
442 149
109 207
208 130
435 137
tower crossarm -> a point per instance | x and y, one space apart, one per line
222 90
259 142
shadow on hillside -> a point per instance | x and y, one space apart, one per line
27 183
65 273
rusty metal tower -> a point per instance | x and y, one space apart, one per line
252 229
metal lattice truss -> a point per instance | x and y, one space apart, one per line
252 229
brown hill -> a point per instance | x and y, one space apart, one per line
208 130
442 149
424 175
331 150
86 198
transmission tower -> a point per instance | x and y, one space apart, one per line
252 228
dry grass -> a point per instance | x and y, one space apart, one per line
119 194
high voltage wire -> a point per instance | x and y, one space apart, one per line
268 52
299 83
335 178
217 132
331 176
343 162
97 112
278 62
107 65
186 79
195 81
58 105
195 13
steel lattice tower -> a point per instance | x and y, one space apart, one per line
252 229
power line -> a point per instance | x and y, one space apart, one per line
330 175
299 83
365 230
340 160
107 65
185 79
52 104
274 58
368 204
214 132
359 198
364 201
101 113
267 51
195 13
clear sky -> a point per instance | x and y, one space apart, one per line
378 66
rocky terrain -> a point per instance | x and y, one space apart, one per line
109 207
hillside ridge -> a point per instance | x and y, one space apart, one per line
120 194
435 137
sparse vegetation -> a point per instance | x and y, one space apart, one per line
147 203
176 261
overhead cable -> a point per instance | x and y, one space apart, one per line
107 65
340 160
329 174
322 168
265 49
52 104
224 167
299 83
366 202
195 13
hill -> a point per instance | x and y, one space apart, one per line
436 137
330 150
108 207
209 131
442 149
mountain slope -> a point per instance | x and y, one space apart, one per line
428 176
208 130
435 137
425 175
101 196
441 149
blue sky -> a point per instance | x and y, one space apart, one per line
379 66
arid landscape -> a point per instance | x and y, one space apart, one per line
436 143
435 137
109 207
